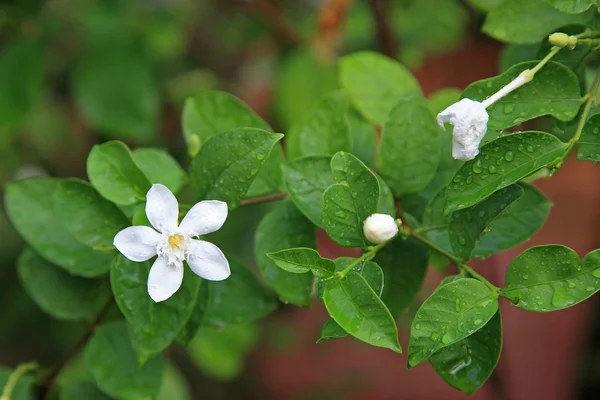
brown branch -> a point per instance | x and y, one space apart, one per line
385 37
282 29
50 379
263 199
329 26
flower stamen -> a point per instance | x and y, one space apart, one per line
175 240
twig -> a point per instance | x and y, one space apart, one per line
281 28
49 381
263 199
385 38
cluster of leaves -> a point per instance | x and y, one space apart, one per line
368 143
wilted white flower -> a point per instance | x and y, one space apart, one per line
379 228
174 243
470 119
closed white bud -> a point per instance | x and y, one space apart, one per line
379 228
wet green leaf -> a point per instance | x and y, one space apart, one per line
363 138
160 167
501 163
302 260
453 312
572 6
549 278
331 330
588 146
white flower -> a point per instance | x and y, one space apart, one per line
379 228
174 243
470 125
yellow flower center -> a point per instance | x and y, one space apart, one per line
175 240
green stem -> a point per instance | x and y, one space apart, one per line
13 379
590 99
459 263
545 60
365 257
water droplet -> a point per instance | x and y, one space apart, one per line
499 161
434 336
509 156
525 277
461 240
477 168
596 131
260 156
447 338
492 169
596 273
481 214
457 305
572 284
478 322
530 149
462 364
469 180
520 147
340 214
561 298
509 108
417 326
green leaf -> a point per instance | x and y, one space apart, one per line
160 167
117 92
363 138
110 358
530 21
404 264
513 54
554 91
81 390
453 312
174 385
29 207
189 331
485 5
301 80
409 151
21 81
227 164
113 172
91 219
352 303
442 99
571 6
25 388
211 113
374 83
153 326
239 299
387 203
306 180
324 132
58 293
467 364
519 221
221 353
588 146
348 203
302 260
468 225
331 330
549 278
501 163
284 227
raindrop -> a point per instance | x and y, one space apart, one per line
530 149
477 168
561 298
492 169
596 273
509 156
520 147
418 326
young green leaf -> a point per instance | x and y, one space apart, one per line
363 137
331 330
501 163
517 223
160 167
530 21
453 312
284 227
29 207
301 260
153 326
467 364
227 164
549 278
570 6
347 204
238 299
210 113
189 331
324 132
588 146
112 362
409 151
387 203
112 171
60 294
554 91
404 263
352 303
306 180
369 270
90 218
117 92
468 225
374 83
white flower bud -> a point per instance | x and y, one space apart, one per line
379 228
469 119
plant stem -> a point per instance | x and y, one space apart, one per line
263 199
365 257
459 263
385 37
552 53
590 99
49 381
14 377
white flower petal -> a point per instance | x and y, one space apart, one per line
207 261
162 208
469 119
164 279
137 243
205 217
